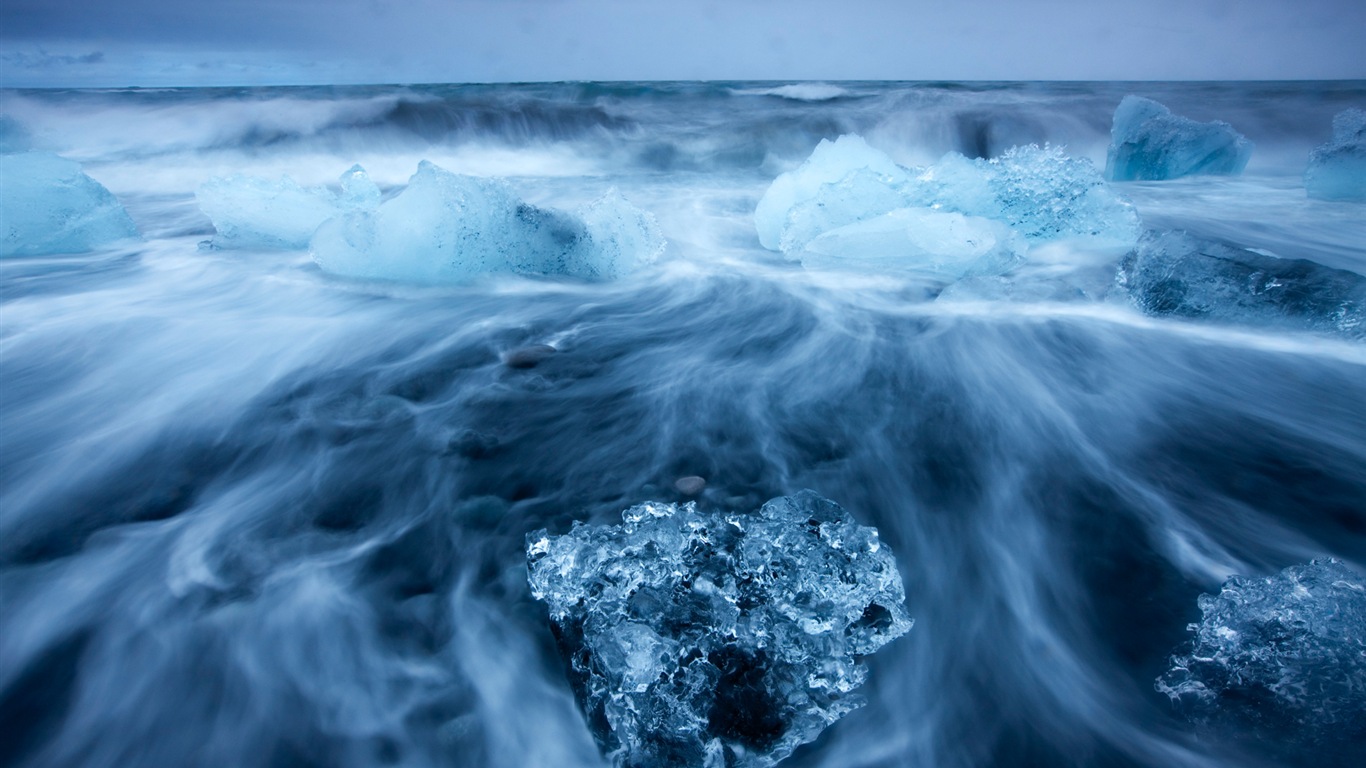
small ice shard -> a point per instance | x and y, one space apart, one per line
448 228
924 241
1283 655
717 640
1337 170
1148 142
1175 274
829 163
48 205
252 212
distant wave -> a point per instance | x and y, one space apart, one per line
799 92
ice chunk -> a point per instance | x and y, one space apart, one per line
1175 274
251 212
938 244
449 228
1337 170
47 205
713 639
1040 192
1284 655
621 238
829 163
1046 195
1148 142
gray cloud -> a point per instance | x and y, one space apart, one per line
483 40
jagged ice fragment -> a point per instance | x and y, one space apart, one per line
48 205
1337 170
1284 655
449 228
1040 193
1178 275
1148 142
722 640
252 212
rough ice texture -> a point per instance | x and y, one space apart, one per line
1148 142
1337 170
1039 192
829 163
1175 274
47 206
449 228
938 244
712 639
1284 655
251 212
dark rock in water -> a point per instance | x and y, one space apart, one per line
1148 142
690 485
528 357
1172 273
1282 658
717 640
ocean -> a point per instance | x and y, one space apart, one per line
254 513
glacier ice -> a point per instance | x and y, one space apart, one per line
48 205
448 228
1148 142
1041 193
1176 274
252 212
939 244
1285 655
829 163
715 639
1337 170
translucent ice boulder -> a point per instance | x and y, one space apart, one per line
448 228
1284 655
1039 192
47 205
937 244
717 639
1175 274
1148 142
252 212
830 163
1337 170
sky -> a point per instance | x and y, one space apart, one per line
104 43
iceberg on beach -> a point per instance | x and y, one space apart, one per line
252 212
49 206
1177 275
1337 170
1148 142
1284 655
1037 193
709 639
448 228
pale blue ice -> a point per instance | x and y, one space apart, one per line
1337 170
1148 142
49 206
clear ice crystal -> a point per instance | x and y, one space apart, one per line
1178 275
1148 142
446 228
1040 193
1284 655
718 640
48 206
1337 170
